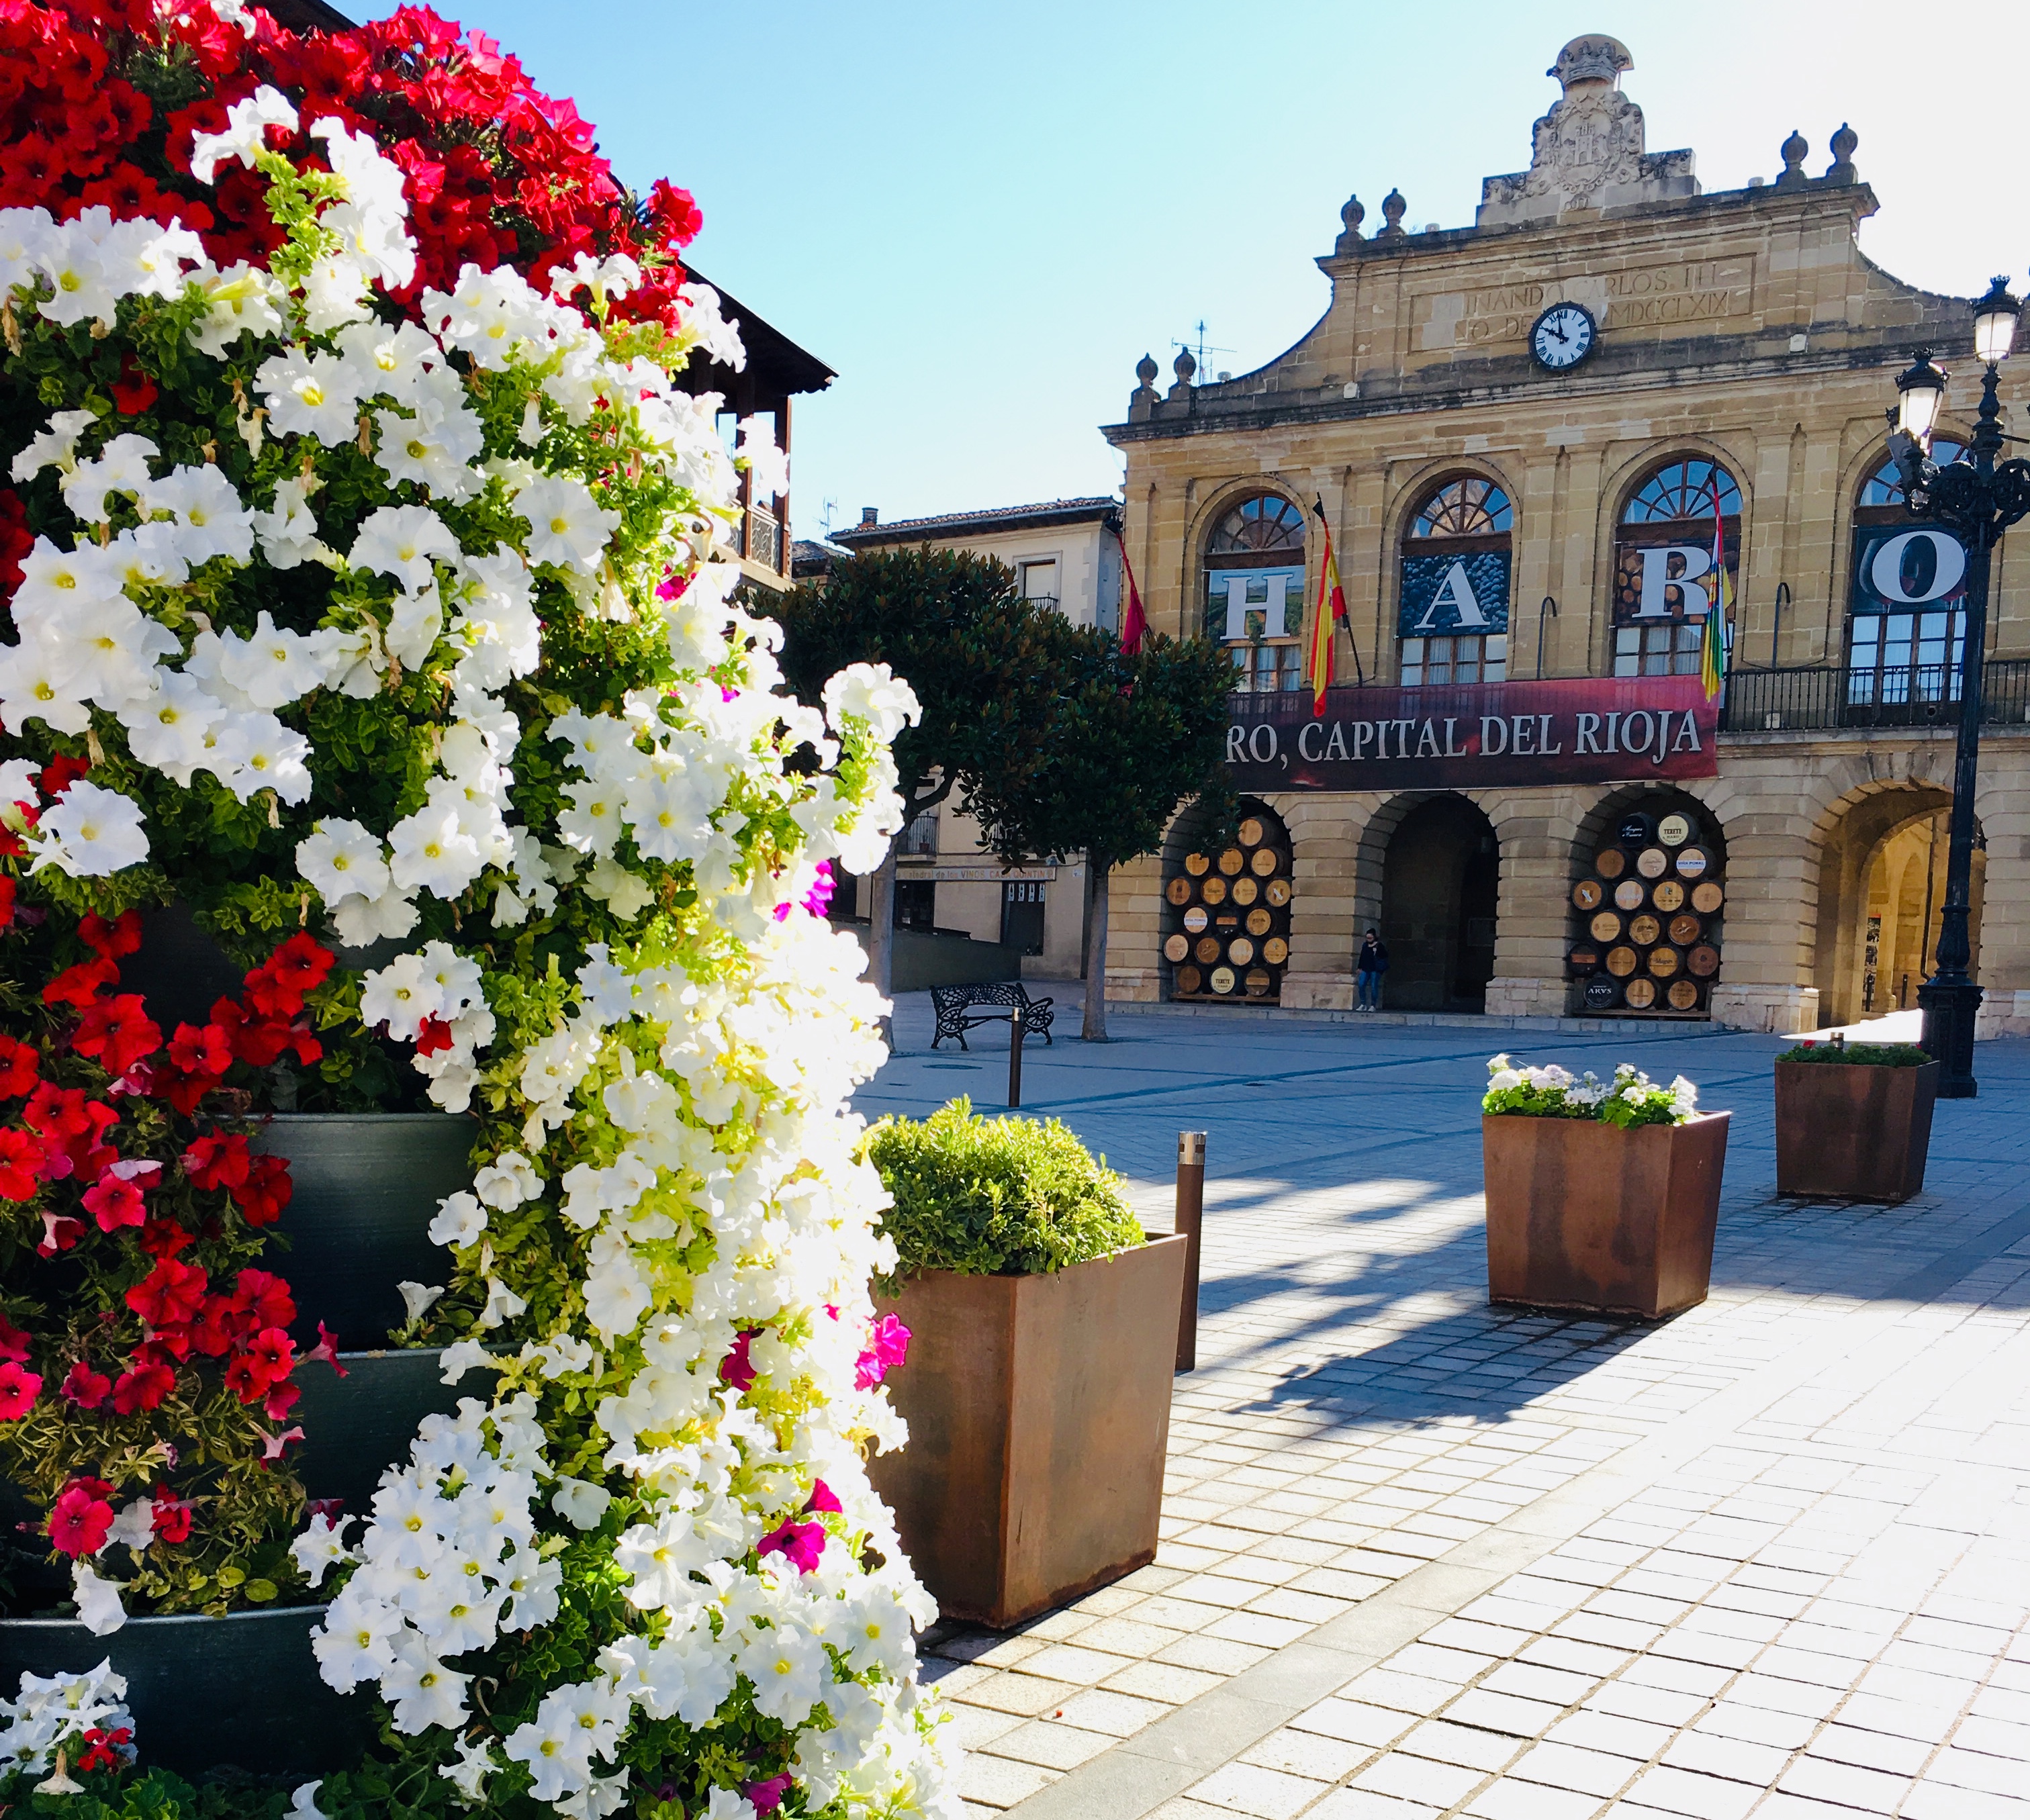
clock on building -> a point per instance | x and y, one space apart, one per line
1563 336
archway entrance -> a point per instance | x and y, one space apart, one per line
1882 892
1440 882
1227 896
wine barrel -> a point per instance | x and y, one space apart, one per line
1196 919
1583 960
1639 995
1668 895
1275 951
1190 979
1707 897
1703 961
1685 929
1277 892
1266 860
1610 862
1694 862
1683 995
1587 896
1603 992
1197 864
1606 927
1232 861
1245 889
1645 930
1652 862
1259 980
1258 921
1241 951
1635 829
1178 947
1665 963
1208 951
1631 894
1675 830
1252 831
1179 891
1621 962
1213 889
1222 980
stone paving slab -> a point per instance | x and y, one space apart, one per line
1424 1556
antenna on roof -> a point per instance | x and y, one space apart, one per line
1201 348
825 518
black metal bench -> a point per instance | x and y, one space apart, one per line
954 1005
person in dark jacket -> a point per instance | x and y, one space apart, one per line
1368 970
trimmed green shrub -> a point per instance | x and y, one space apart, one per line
1859 1055
996 1196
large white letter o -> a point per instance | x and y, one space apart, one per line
1886 572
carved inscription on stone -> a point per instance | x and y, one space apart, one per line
1686 292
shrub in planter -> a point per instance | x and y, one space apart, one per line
1854 1120
357 586
1601 1195
1041 1326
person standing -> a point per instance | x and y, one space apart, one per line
1373 962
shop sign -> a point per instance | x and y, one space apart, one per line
1454 593
1902 570
1587 729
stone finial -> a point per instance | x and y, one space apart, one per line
1841 170
1594 59
1793 152
1183 367
1351 216
1142 402
1393 209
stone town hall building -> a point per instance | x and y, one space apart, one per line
1537 441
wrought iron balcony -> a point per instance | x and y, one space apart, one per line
1808 697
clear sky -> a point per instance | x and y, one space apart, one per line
982 217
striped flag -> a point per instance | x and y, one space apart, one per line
1713 646
1331 611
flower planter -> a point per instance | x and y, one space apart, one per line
366 1188
207 1692
355 1427
1583 1215
1038 1410
1846 1132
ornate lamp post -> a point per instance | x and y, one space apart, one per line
1976 500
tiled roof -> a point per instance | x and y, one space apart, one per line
1036 517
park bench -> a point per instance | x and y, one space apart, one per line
956 1013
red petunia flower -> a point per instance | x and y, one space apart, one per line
115 1203
433 1037
7 884
217 1161
281 1398
801 1543
170 1294
84 1386
60 1233
81 1517
102 1748
116 1032
266 1190
13 1342
19 1068
56 776
264 1297
171 1516
80 985
134 391
113 941
20 1163
142 1388
165 1237
200 1050
71 1128
19 1388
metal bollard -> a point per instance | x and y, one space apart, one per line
1015 1059
1189 1220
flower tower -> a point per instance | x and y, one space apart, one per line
361 614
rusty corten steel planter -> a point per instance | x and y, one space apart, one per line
1845 1132
1039 1413
1583 1215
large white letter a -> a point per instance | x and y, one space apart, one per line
1458 591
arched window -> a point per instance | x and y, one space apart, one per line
1254 589
1452 605
1677 555
1906 626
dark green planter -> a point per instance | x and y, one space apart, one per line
208 1691
367 1187
356 1427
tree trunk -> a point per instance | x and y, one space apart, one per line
1094 1029
881 935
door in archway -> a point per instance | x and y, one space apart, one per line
1440 885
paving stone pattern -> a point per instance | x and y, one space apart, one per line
1424 1557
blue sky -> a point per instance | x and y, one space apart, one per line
982 217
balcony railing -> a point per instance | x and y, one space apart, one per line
765 540
1808 697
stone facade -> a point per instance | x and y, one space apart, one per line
1745 328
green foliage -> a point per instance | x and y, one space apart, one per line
1119 740
1859 1055
996 1196
954 626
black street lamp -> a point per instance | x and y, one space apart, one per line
1976 500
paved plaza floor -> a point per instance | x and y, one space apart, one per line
1424 1556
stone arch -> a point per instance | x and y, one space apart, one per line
1437 855
1857 843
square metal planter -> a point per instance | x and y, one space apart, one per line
1845 1132
1040 1413
1583 1215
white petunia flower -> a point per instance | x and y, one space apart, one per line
567 527
91 833
246 135
339 859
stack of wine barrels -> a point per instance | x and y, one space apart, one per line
1648 937
1227 920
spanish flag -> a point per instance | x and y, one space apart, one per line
1134 622
1713 646
1331 611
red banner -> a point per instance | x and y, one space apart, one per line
1581 730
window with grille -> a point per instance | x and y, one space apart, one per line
1463 657
1255 590
1452 617
1668 650
1907 626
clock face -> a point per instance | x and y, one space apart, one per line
1563 337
